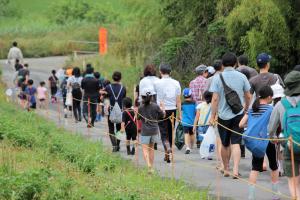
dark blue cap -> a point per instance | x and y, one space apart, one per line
263 58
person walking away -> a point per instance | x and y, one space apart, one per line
23 73
150 113
31 95
100 100
91 89
201 122
200 84
278 93
230 116
257 119
74 85
280 115
14 53
243 66
168 93
42 95
116 93
53 82
128 125
188 111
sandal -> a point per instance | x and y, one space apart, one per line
237 176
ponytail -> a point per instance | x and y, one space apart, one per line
263 93
255 105
147 99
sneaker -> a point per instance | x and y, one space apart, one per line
187 151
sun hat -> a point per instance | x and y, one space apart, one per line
187 92
292 83
211 70
278 91
147 91
200 69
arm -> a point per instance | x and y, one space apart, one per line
214 107
274 121
243 122
122 127
196 121
248 97
178 104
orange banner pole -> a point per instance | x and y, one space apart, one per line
102 41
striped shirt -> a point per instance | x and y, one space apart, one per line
262 108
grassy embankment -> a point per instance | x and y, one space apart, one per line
40 161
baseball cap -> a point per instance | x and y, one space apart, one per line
147 91
187 92
210 70
200 68
278 91
263 58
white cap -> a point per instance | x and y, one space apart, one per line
278 91
147 91
210 70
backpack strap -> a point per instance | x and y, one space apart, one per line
132 118
116 97
207 115
222 79
286 104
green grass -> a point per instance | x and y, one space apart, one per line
38 159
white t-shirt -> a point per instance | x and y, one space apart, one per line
15 53
147 82
167 90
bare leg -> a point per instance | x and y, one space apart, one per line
274 176
236 154
225 153
146 154
294 191
219 157
193 140
151 155
252 179
187 140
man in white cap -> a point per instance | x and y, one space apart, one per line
200 84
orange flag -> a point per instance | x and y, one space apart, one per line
102 41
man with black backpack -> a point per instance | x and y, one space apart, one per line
286 112
91 89
231 98
116 93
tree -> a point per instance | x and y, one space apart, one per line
257 26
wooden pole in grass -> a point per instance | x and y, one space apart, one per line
173 143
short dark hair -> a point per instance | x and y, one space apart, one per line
217 65
26 65
15 44
246 72
97 75
165 68
89 70
53 71
88 65
262 65
243 60
229 59
117 76
30 82
150 70
17 60
127 102
76 71
42 83
207 96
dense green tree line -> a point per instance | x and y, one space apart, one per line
204 30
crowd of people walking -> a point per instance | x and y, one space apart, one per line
229 95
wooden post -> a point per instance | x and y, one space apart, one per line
173 144
293 165
89 115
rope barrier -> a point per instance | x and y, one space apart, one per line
180 157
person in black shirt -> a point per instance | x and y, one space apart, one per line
91 89
115 90
129 125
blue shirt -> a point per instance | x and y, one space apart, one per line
188 113
236 81
31 92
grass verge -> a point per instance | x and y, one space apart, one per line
41 161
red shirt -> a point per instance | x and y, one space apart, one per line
198 86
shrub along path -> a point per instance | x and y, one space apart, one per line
191 168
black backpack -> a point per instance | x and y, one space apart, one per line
232 98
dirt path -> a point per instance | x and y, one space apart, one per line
190 168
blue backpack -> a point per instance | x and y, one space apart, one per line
257 127
291 122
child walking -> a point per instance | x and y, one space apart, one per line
188 108
202 117
129 125
42 95
149 113
257 120
31 95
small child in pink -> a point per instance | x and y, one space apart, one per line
42 95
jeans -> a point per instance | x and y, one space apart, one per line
90 110
77 110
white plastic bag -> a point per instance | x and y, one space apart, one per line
69 99
208 144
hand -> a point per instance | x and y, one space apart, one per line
212 121
162 106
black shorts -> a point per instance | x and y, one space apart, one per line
228 137
33 105
41 100
188 130
131 133
257 163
